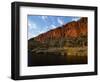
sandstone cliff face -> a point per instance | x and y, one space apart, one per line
73 29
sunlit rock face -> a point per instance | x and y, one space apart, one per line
73 29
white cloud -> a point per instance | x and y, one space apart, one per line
60 21
30 35
44 17
42 31
75 19
53 26
31 25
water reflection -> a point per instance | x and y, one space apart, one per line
56 58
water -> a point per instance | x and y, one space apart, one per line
56 58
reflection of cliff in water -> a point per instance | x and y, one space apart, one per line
55 58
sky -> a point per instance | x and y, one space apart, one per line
38 24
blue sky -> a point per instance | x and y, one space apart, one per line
39 24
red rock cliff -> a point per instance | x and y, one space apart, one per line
73 29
